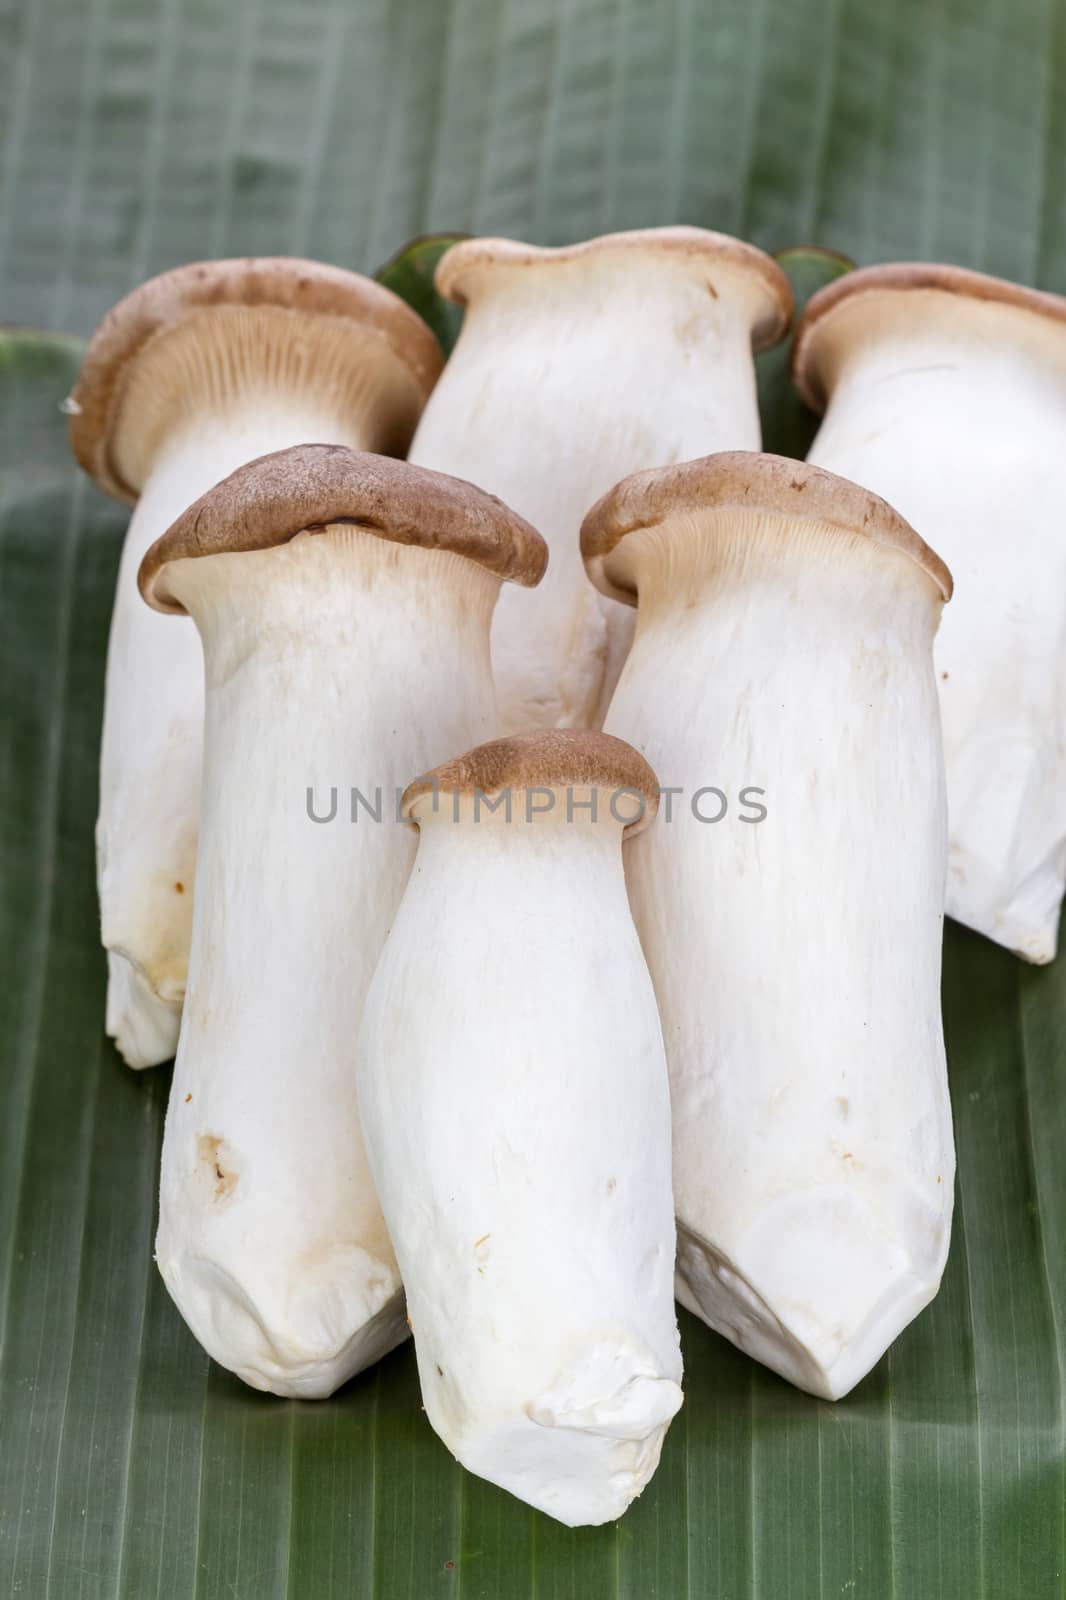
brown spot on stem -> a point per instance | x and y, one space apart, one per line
219 1167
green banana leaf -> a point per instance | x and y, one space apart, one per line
409 273
138 133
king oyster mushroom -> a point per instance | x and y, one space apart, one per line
785 623
574 367
194 373
343 602
514 1095
945 391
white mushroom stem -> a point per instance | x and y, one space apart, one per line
198 371
951 403
331 656
575 367
337 658
514 1095
153 725
796 960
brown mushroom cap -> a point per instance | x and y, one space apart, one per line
456 266
555 758
269 501
163 303
900 277
745 480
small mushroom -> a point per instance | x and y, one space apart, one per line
945 391
783 665
196 372
515 1100
574 367
343 602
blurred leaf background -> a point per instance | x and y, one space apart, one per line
136 134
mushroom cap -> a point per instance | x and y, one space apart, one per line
554 758
267 502
898 277
745 480
457 264
160 305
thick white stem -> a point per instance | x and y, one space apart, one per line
567 377
153 718
332 662
796 959
955 413
514 1094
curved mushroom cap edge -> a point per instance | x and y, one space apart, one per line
552 758
902 277
269 501
457 264
746 480
161 304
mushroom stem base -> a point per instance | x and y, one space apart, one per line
827 1347
143 1023
298 1345
586 1446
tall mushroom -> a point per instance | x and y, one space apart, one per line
574 367
946 393
790 900
344 603
196 372
514 1094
